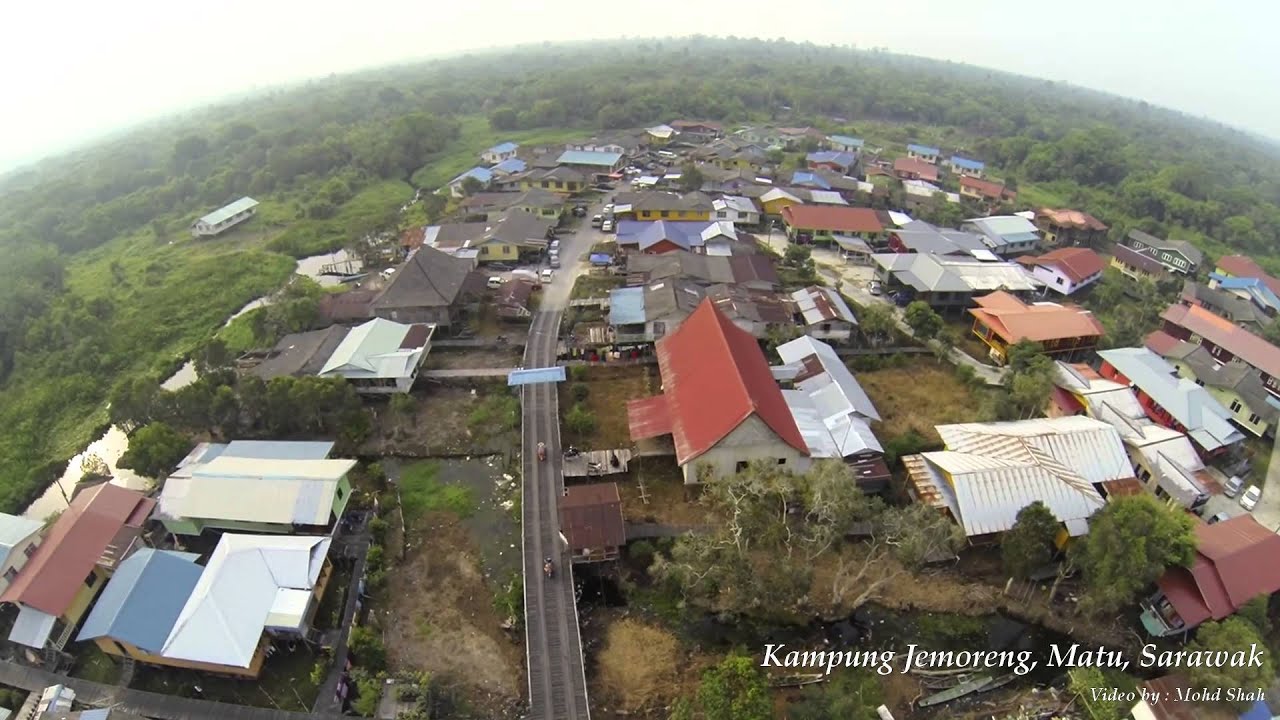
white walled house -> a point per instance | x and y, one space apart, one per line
499 152
224 218
19 538
825 315
1066 270
737 210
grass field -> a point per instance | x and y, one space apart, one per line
608 390
917 396
421 492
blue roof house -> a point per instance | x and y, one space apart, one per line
510 166
844 143
591 160
923 152
482 175
499 152
836 160
810 180
137 610
965 166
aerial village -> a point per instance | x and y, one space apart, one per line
639 317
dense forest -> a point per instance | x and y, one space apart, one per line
103 285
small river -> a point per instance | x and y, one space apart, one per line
114 442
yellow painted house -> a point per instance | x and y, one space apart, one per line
517 233
694 206
777 199
1236 386
559 180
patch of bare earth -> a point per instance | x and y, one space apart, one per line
608 390
437 425
440 619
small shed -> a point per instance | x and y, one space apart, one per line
591 522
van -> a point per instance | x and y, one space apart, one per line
495 282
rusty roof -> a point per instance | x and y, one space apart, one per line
715 376
591 516
926 171
986 187
1220 331
836 218
98 527
1233 565
1071 218
1014 320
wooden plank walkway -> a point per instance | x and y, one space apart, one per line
580 466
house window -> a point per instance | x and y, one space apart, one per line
484 250
826 327
1236 406
10 574
30 550
722 214
1057 280
665 213
741 466
782 461
1254 419
338 494
91 580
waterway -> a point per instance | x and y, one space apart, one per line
114 442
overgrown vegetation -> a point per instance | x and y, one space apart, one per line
421 492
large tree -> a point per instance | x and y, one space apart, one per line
1132 540
736 689
154 450
1230 636
876 322
923 320
1028 545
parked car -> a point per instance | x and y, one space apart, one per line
1249 500
555 261
547 274
1233 486
606 226
1219 518
580 211
596 220
555 245
495 282
875 288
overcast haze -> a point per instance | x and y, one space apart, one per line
76 70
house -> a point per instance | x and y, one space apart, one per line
510 166
518 233
844 143
347 307
823 197
832 410
19 539
1006 235
918 236
924 152
833 160
950 282
1241 266
1001 320
430 287
1234 564
271 487
625 145
491 206
823 179
591 522
753 271
964 166
165 609
1137 265
645 314
662 236
1226 342
557 179
776 199
1252 290
99 529
1070 228
380 357
1241 310
588 161
224 218
794 137
1171 400
702 130
990 471
660 135
914 169
1235 386
736 210
823 313
1164 460
512 300
719 402
694 206
810 223
1177 256
986 191
499 153
1066 269
457 186
51 701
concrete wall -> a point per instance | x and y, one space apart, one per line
752 440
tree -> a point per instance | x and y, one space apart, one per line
1028 377
471 186
736 689
1132 540
504 119
691 178
1083 682
154 450
368 649
1028 545
580 420
1271 333
850 694
923 321
877 323
1232 635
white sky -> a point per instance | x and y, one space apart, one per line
79 68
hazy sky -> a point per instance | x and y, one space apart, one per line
76 69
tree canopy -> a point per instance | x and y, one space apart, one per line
1230 636
1028 545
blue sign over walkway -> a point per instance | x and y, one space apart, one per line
536 375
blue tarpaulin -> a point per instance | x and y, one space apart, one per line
601 259
536 375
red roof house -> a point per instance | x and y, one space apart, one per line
1234 563
1001 320
907 168
89 539
719 401
1224 340
831 220
1067 269
987 190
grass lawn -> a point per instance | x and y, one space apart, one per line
917 396
285 682
608 390
421 492
95 665
595 286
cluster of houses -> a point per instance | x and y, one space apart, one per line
231 557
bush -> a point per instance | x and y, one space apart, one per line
368 694
366 645
580 391
908 443
580 420
578 373
378 528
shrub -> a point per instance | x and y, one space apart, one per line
366 645
580 391
580 420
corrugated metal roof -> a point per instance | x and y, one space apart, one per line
845 140
225 616
504 147
966 163
278 449
819 304
143 598
255 490
229 210
13 530
626 306
923 149
32 627
373 350
589 157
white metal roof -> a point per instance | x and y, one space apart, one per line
372 350
830 408
229 210
898 218
299 492
778 194
232 603
31 627
826 197
289 608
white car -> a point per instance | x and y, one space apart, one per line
547 274
875 288
1249 500
606 226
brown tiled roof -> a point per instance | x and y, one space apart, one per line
1071 218
1014 320
835 218
591 516
99 525
1233 565
1220 331
1076 263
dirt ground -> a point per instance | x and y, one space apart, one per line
670 502
609 389
918 396
438 425
440 619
